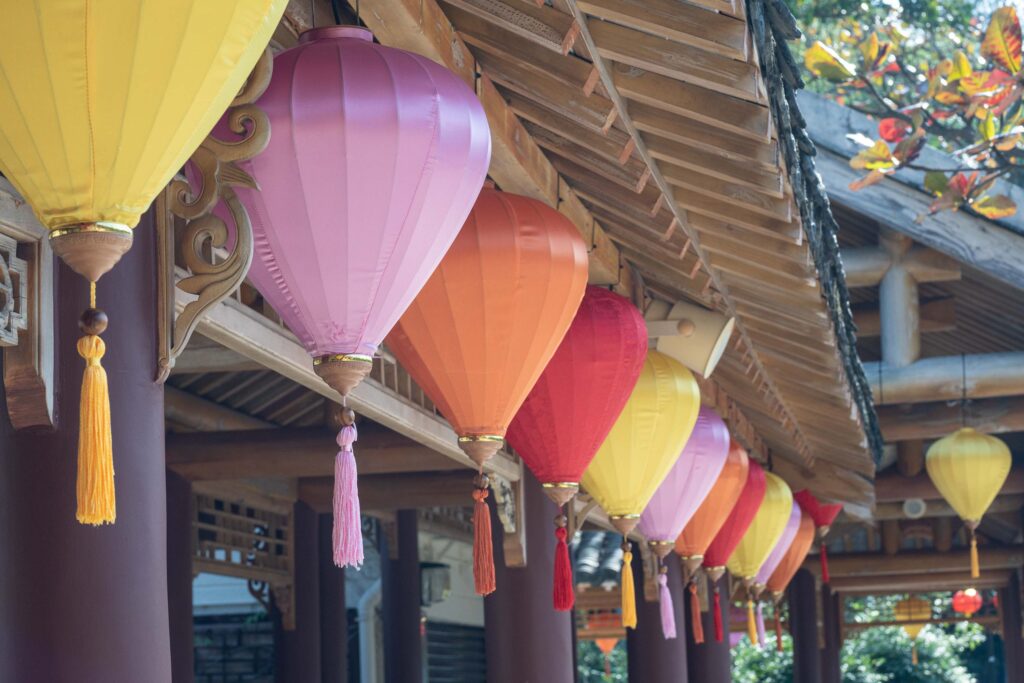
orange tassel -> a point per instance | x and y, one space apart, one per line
696 626
483 552
751 623
778 630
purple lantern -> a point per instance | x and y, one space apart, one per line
681 493
375 158
779 551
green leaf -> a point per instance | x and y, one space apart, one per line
876 157
935 182
961 66
1002 43
994 206
824 62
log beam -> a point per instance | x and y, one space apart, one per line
395 491
940 509
892 487
917 564
266 453
936 420
934 315
882 584
987 375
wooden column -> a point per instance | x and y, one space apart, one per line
333 619
179 576
298 651
832 615
803 624
80 603
527 640
710 661
652 657
403 637
898 308
1013 642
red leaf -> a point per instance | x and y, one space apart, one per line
893 129
1002 43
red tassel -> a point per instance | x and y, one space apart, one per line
696 626
824 563
564 598
778 630
718 617
483 552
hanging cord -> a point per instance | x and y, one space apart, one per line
337 11
963 390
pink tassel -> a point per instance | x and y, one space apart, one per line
348 529
564 597
668 613
760 626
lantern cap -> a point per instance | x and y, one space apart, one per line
715 573
481 447
343 372
624 524
91 249
661 548
691 565
335 32
560 492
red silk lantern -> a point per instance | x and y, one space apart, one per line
574 404
823 516
487 322
967 602
731 532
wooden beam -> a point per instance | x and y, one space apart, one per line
970 240
918 563
269 453
910 458
395 491
686 157
884 584
235 326
541 24
988 375
935 420
936 315
892 487
193 412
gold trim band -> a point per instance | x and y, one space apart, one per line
481 437
99 226
661 543
630 516
561 485
343 358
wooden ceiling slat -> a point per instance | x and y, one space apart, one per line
648 202
541 24
688 157
632 176
723 236
774 208
676 60
742 216
613 145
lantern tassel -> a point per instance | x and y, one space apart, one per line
348 529
778 630
563 597
718 616
97 503
975 562
696 626
628 593
760 625
668 612
751 623
483 551
913 653
824 563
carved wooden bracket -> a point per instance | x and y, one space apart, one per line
193 216
26 313
508 496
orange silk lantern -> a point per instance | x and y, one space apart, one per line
606 646
481 331
793 558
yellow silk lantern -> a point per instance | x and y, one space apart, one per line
969 468
641 448
913 609
101 102
759 539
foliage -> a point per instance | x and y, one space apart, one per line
951 81
763 664
591 665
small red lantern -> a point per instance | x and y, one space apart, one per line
967 602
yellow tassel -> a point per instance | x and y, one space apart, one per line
628 591
913 654
96 503
975 564
751 623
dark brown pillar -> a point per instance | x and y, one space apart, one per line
333 620
710 662
81 603
179 576
652 657
403 635
527 640
298 650
832 613
1013 643
803 624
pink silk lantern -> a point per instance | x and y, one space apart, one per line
376 156
681 493
779 551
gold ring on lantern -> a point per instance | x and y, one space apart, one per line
560 492
481 447
343 371
91 249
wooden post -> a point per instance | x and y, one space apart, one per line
526 639
81 603
180 537
803 620
403 638
652 657
1013 639
897 298
333 619
298 651
709 662
832 613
